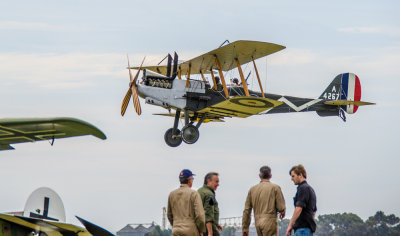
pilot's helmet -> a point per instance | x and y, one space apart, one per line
235 81
217 79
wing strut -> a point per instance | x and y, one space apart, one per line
258 77
213 78
221 75
202 76
244 83
188 76
179 73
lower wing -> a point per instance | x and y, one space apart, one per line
35 129
241 106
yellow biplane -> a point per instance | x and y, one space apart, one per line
171 87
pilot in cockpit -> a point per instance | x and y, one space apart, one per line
219 85
235 82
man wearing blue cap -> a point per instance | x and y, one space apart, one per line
185 208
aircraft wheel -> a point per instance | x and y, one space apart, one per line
190 134
173 140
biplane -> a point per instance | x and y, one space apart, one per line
20 130
44 215
199 101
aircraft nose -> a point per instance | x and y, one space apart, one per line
141 90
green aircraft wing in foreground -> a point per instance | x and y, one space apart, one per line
21 130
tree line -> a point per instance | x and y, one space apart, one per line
349 224
340 224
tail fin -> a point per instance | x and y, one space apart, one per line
94 229
345 87
44 204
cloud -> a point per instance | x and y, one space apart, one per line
60 71
293 56
385 30
66 71
39 26
16 25
379 63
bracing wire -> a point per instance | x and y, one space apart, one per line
266 70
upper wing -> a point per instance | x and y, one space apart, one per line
36 129
243 50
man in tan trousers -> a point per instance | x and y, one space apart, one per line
185 209
267 201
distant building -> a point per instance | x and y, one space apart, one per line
236 223
136 229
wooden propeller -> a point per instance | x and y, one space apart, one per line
132 91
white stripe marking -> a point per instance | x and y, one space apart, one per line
350 92
296 108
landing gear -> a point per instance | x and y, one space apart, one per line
173 139
190 134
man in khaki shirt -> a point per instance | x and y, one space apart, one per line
185 209
267 201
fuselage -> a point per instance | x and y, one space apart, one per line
199 95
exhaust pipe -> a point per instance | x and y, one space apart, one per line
169 65
175 68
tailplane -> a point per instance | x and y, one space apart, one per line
345 92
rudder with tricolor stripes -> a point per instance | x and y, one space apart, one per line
345 86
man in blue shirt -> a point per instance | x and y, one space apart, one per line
305 203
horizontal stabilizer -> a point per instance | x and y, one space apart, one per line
346 102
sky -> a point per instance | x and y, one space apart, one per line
68 59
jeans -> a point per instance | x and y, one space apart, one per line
303 232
